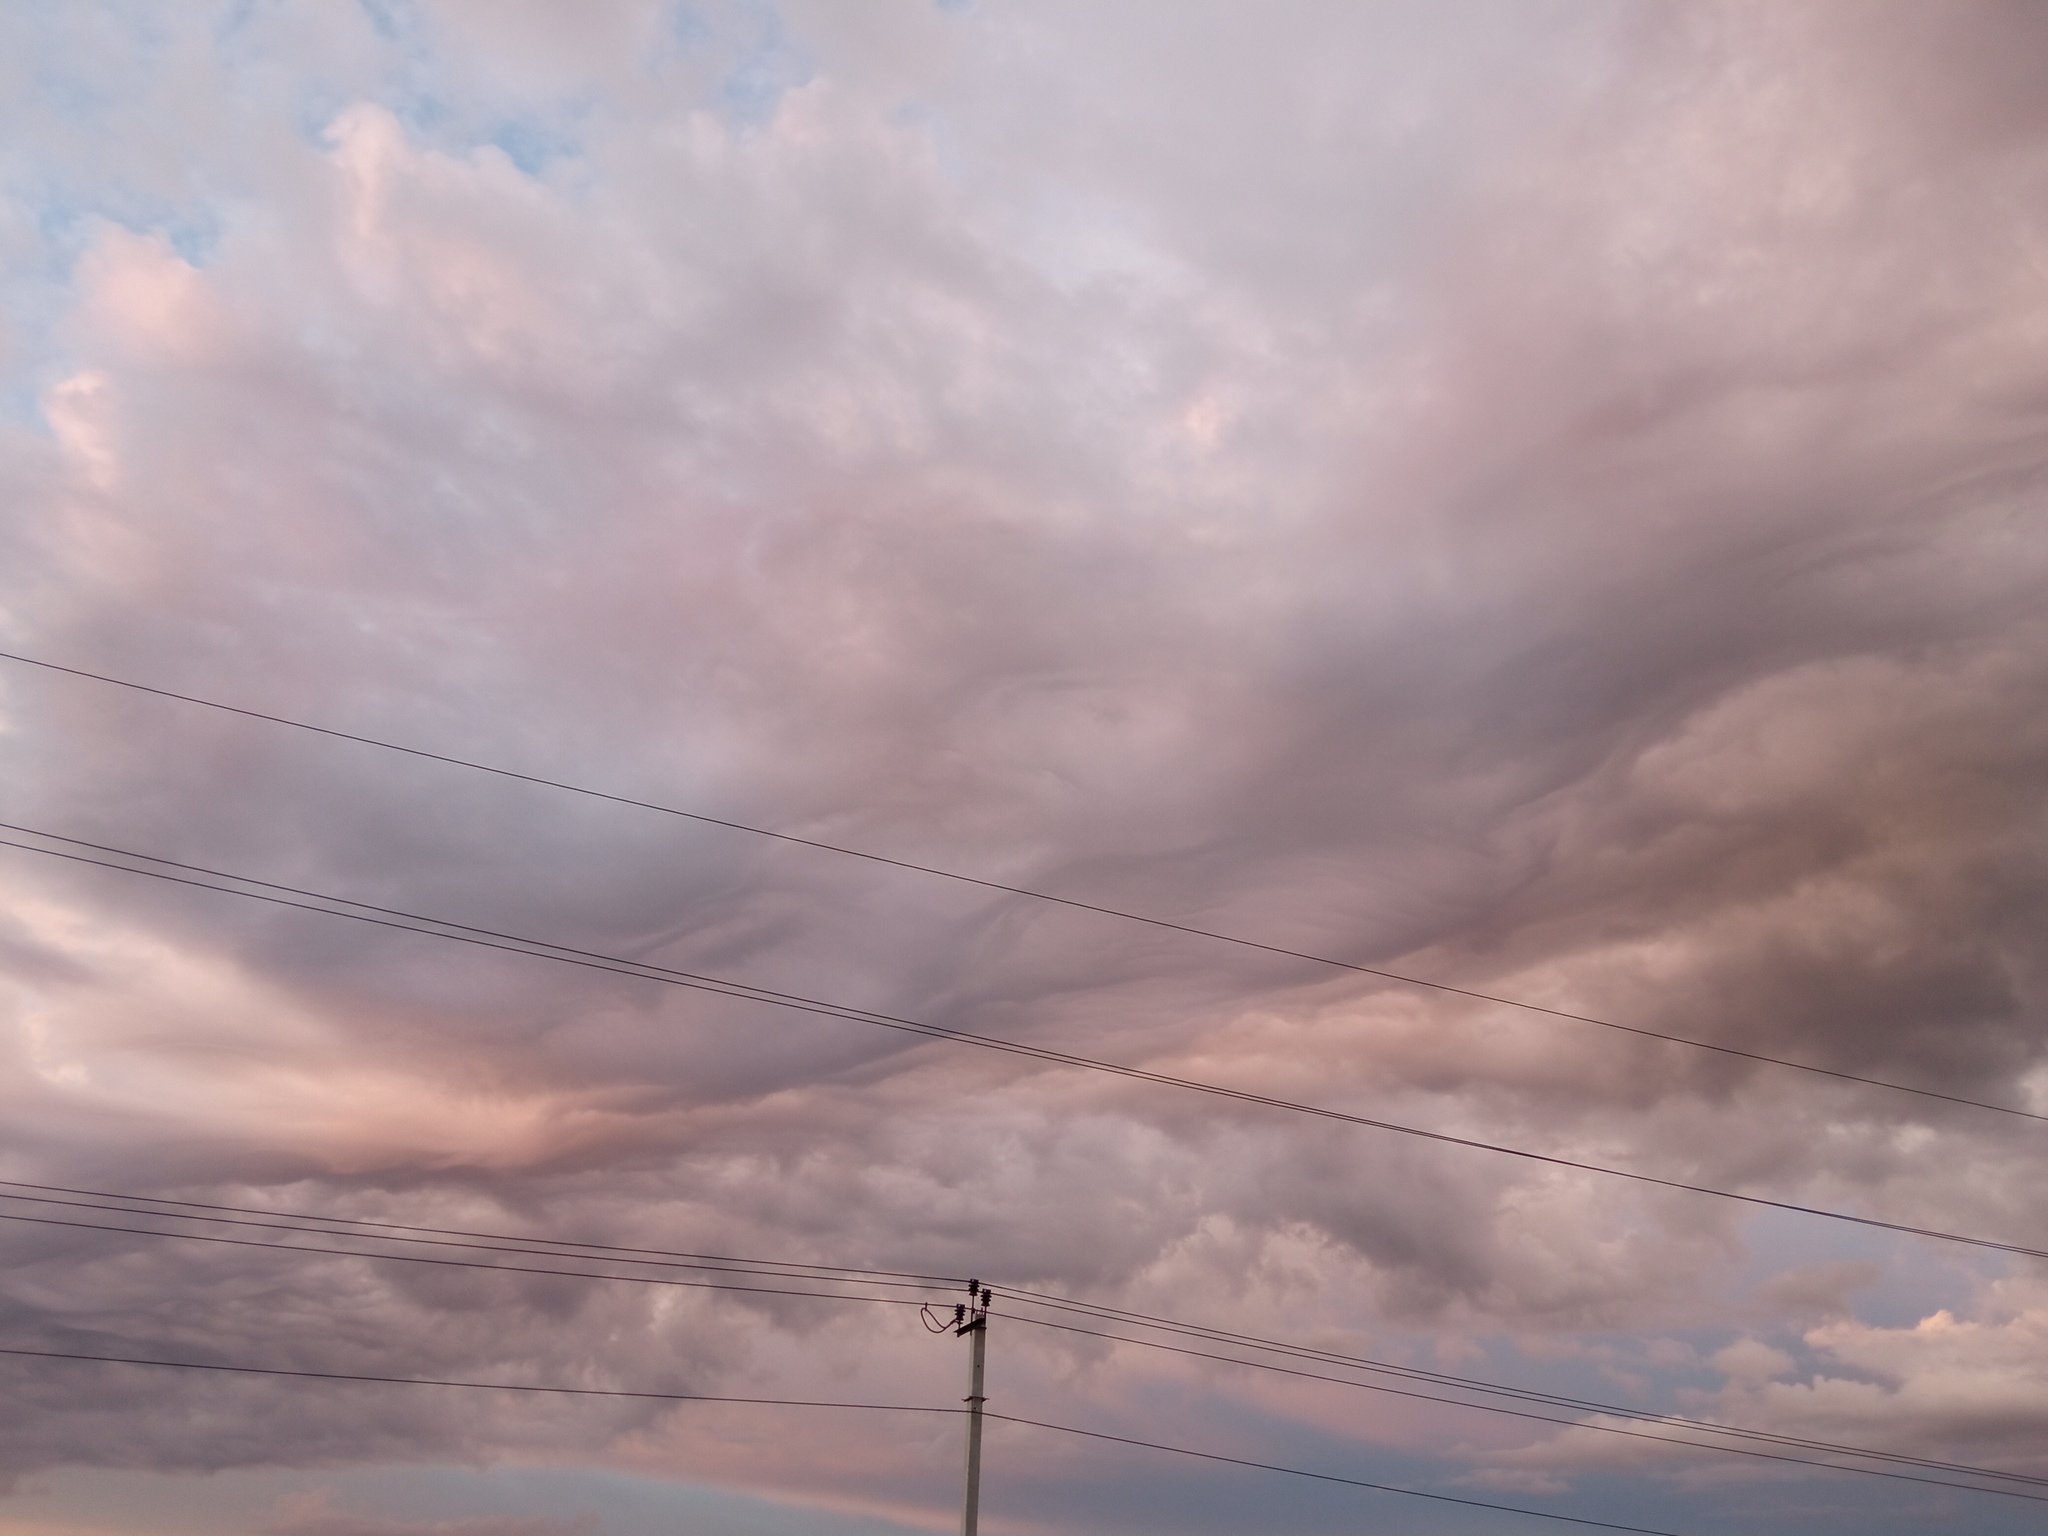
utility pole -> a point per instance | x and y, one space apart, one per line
970 1320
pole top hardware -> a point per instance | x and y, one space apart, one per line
969 1316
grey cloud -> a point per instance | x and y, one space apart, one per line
1534 499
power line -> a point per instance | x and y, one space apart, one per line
1632 1434
685 1397
1035 895
734 1268
478 1386
1091 1310
416 1258
1127 1319
1352 1362
1062 1327
1464 1383
544 950
743 990
1329 1477
560 1242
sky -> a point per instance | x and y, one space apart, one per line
1539 499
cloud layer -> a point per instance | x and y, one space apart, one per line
1539 498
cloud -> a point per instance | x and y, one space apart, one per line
1534 499
1941 1382
1937 1388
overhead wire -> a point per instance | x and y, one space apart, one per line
1957 1468
1326 1477
447 1263
500 1242
562 954
1202 1332
1463 1383
541 948
1013 1294
210 1211
684 1397
1205 1333
358 1221
477 1386
1001 887
739 1267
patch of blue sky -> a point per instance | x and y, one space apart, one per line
392 21
1744 1494
316 98
69 216
1732 1494
81 82
51 223
1910 1279
53 227
1915 1277
426 114
535 141
532 141
765 66
101 91
194 229
21 391
414 87
1627 1370
688 28
1102 1486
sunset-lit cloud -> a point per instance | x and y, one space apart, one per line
1541 498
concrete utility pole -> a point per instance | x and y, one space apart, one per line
970 1319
